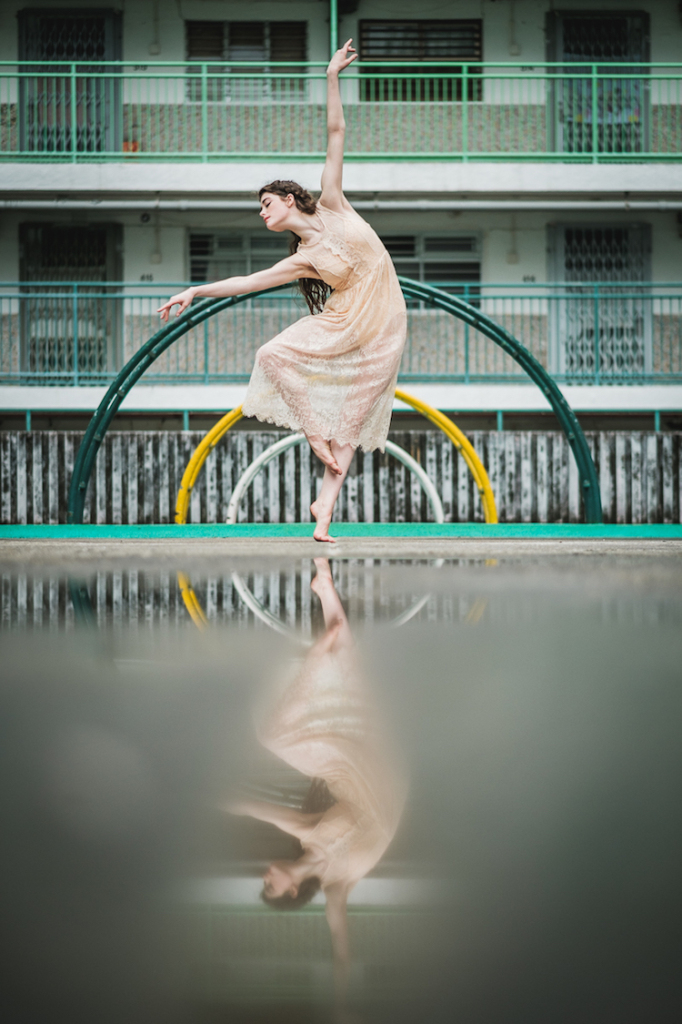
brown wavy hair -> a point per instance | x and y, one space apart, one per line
314 292
318 799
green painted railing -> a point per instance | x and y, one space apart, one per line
72 333
421 110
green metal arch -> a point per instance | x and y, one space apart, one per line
163 339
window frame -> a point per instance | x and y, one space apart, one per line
382 89
219 90
471 291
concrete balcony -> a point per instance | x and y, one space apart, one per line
117 129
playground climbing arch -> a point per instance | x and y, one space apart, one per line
432 297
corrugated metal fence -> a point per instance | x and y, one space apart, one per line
533 476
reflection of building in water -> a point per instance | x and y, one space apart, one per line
254 955
374 592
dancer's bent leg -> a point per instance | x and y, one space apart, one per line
323 508
323 451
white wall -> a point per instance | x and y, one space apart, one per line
145 243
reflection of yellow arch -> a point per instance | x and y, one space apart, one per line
461 443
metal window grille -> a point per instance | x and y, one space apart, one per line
75 328
608 114
61 112
451 42
255 44
598 330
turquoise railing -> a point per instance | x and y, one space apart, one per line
70 333
421 110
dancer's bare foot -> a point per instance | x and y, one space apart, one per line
323 578
323 450
323 569
323 518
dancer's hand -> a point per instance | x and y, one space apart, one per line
182 299
342 58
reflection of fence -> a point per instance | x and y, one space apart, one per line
532 473
588 333
202 111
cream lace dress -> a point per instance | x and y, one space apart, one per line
334 374
324 726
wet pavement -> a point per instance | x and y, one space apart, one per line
472 746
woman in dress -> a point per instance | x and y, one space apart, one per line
325 726
333 373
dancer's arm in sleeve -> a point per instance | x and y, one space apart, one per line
284 272
332 176
296 823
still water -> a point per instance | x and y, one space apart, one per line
346 790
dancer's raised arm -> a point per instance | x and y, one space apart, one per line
337 919
332 175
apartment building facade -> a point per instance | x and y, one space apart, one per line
522 154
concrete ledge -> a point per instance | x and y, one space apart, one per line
451 397
225 178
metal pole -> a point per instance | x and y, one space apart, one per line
465 112
597 347
204 113
333 27
74 314
74 116
595 115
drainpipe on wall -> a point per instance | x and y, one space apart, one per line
333 27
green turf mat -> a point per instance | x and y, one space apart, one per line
478 531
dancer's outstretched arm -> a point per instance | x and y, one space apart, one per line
284 272
296 823
332 176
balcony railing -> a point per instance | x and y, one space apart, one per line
207 111
76 334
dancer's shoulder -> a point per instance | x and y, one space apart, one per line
338 208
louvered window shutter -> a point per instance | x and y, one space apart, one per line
450 42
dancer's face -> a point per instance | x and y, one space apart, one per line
277 880
275 211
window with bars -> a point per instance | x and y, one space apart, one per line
450 262
56 114
253 43
597 327
611 118
450 42
60 336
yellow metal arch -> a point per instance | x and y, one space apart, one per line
463 445
439 419
201 453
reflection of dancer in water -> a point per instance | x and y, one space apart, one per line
332 375
323 726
